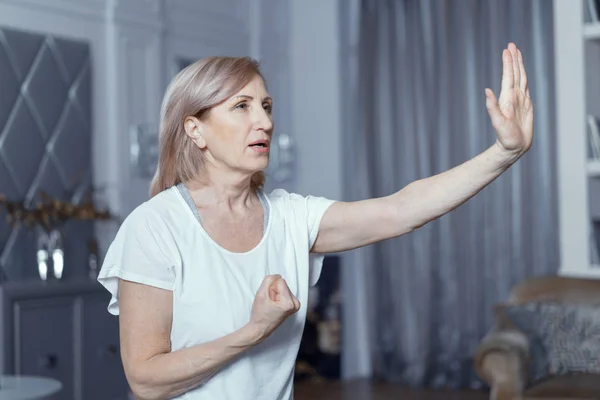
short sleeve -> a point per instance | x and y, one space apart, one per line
137 254
315 208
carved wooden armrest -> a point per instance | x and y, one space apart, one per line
501 361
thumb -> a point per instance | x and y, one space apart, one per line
285 288
266 283
296 302
492 106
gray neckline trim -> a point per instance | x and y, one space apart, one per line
187 196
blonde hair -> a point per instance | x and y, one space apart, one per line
193 92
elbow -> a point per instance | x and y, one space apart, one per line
148 392
143 389
145 392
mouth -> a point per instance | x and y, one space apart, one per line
261 146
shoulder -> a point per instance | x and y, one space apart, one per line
297 203
152 214
282 196
288 201
150 229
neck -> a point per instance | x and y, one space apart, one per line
214 188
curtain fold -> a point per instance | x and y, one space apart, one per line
417 72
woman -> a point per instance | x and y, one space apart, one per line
210 276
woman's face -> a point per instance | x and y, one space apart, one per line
236 134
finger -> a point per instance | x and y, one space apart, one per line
294 300
293 297
280 289
493 109
507 71
284 288
281 286
286 293
527 92
296 303
267 282
515 65
523 74
273 292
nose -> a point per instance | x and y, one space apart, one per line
263 120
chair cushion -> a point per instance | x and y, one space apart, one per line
564 338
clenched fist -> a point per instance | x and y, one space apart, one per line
273 303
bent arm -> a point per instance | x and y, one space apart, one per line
152 370
348 225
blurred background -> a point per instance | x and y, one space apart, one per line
369 95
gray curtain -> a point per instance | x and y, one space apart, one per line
416 73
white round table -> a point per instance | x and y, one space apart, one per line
23 387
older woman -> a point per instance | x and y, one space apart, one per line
210 276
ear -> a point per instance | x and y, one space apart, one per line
194 129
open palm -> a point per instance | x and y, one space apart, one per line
512 114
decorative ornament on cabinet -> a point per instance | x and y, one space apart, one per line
143 149
47 219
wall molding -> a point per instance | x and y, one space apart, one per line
222 10
138 55
136 45
142 14
92 10
137 63
195 19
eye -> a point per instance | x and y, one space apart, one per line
268 107
242 106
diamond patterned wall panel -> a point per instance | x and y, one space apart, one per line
45 140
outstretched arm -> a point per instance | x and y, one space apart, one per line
348 225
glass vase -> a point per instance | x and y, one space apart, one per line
50 254
57 253
42 252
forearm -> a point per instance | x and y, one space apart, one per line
172 374
427 199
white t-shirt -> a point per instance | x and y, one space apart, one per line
162 244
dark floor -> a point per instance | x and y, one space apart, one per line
364 390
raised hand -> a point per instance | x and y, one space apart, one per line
512 115
273 303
